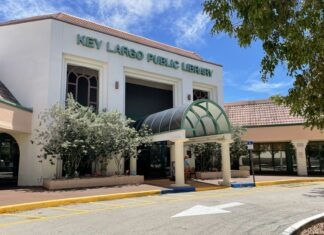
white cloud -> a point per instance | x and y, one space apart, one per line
132 15
245 81
15 9
128 15
265 87
123 14
190 28
185 24
255 84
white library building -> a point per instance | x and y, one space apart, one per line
178 94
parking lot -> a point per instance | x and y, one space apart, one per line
260 210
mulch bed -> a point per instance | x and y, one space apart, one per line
316 228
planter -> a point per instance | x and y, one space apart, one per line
218 174
204 175
55 184
245 168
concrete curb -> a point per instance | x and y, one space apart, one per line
107 197
211 188
274 182
242 185
290 181
296 226
192 189
184 189
67 201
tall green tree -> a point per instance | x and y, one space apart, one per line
205 152
239 147
208 156
292 34
118 140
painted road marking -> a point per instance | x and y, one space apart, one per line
156 199
109 205
295 185
69 209
207 210
25 216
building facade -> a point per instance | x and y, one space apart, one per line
43 58
282 145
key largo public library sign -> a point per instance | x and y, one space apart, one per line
139 55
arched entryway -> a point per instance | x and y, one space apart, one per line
202 121
9 160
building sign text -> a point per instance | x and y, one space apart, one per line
139 55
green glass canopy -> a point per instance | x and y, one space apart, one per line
199 118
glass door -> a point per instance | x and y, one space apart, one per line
315 158
9 160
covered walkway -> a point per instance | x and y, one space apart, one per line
202 121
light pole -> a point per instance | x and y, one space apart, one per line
250 148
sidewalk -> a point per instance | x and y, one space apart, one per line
166 183
265 178
38 194
35 194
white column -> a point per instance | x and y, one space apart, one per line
226 162
300 146
179 162
59 167
133 165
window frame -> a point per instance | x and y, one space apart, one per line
201 91
101 67
88 77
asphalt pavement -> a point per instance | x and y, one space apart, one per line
260 210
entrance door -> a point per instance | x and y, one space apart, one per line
154 162
315 158
9 160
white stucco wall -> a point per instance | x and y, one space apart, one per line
33 60
25 69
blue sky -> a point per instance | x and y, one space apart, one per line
179 23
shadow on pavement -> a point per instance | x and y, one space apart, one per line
316 192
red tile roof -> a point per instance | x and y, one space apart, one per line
5 94
259 113
109 31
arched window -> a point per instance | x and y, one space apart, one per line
82 82
200 94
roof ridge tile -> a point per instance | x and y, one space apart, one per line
5 94
260 113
